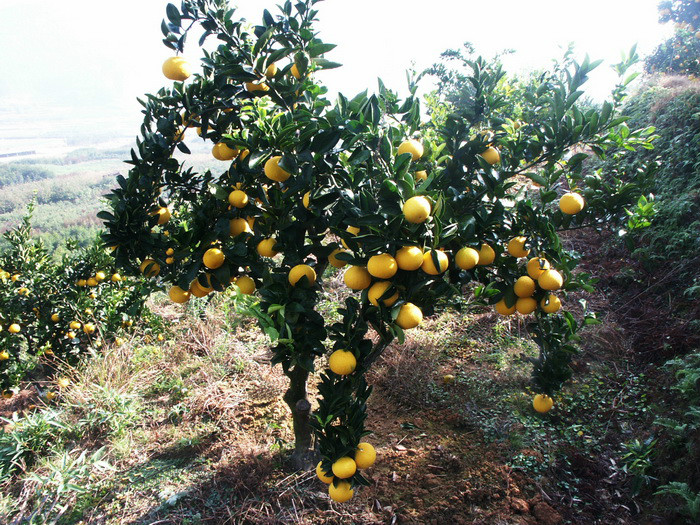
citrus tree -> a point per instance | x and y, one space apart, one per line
679 54
57 309
418 215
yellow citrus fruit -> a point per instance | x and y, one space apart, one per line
221 151
89 328
273 171
491 155
149 268
200 291
169 260
571 203
428 265
244 154
91 282
341 493
176 68
55 317
246 284
503 309
14 328
178 295
256 86
306 200
486 255
420 176
271 70
352 230
542 403
322 475
334 261
382 266
409 258
163 215
550 304
409 316
116 278
213 258
300 270
342 362
295 72
70 335
100 276
526 305
357 278
266 247
75 325
239 225
417 209
467 258
516 247
82 283
536 267
4 355
365 456
550 280
344 468
414 147
377 290
524 286
238 198
51 395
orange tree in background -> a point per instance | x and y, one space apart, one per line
679 54
418 215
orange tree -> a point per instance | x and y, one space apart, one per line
53 309
419 215
681 52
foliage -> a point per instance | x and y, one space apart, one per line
343 157
680 54
16 173
42 297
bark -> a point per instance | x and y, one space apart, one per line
295 397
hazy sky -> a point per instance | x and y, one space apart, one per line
70 57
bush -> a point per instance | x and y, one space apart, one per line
16 173
40 299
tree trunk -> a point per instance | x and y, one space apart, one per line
295 397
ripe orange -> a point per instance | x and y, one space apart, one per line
271 70
382 266
149 268
357 278
524 286
409 258
571 203
238 198
550 280
246 285
536 267
409 316
341 492
239 225
163 215
414 147
221 151
365 455
516 247
486 255
334 261
467 258
503 309
542 403
273 171
344 468
301 270
178 295
417 209
526 305
322 475
213 258
550 304
342 362
491 155
428 265
377 290
266 247
176 68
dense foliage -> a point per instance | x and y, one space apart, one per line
681 52
57 309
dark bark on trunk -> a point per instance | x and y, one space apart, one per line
295 397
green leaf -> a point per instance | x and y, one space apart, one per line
173 14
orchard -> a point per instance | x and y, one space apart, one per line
419 214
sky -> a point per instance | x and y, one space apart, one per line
90 59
